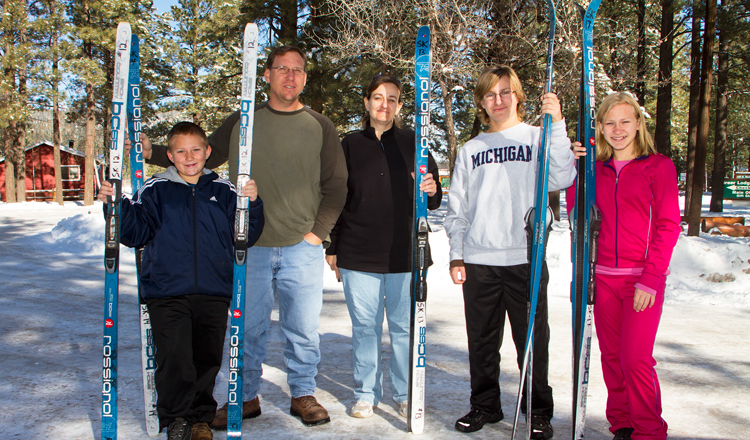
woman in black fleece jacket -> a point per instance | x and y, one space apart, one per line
371 244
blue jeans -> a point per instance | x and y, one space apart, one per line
295 274
368 295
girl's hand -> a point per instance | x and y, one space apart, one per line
250 190
578 150
551 106
458 271
642 299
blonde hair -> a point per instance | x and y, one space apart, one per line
487 80
643 143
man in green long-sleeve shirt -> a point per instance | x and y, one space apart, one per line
300 170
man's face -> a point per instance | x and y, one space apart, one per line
286 88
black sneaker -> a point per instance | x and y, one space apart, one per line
179 429
623 434
476 419
541 429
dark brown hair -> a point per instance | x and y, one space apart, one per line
374 84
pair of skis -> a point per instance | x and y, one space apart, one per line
418 333
241 229
585 223
126 110
585 228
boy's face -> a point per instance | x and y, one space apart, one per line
189 154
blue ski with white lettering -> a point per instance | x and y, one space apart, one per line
418 338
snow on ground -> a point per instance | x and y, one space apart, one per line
51 283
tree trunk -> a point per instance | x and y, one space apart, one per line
695 87
88 191
704 119
10 170
720 129
56 138
663 132
288 21
450 132
640 81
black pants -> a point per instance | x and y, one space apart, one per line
490 292
189 338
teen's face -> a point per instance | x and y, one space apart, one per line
500 103
620 127
286 87
189 155
383 104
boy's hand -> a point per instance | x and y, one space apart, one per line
145 143
458 271
250 190
105 192
551 106
578 150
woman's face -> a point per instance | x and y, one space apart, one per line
383 104
620 127
500 103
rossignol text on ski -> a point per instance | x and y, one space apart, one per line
585 222
148 362
538 231
112 231
241 227
418 338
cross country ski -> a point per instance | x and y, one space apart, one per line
241 229
136 180
538 231
585 222
112 232
422 70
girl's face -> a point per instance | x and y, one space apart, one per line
383 104
620 127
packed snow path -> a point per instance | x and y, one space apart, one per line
51 287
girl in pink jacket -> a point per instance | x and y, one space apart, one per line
636 192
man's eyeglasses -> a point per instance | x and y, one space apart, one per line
285 70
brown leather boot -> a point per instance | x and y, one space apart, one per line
201 431
311 412
250 410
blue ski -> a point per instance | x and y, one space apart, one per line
241 227
538 231
136 180
112 232
422 70
585 223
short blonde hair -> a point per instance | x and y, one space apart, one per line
487 80
644 145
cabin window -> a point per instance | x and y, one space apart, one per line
70 172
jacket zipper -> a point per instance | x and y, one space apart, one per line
195 244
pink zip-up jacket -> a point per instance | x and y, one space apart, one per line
640 218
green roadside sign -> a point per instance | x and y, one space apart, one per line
737 189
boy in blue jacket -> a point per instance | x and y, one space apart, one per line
185 219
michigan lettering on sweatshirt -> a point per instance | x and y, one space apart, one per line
511 153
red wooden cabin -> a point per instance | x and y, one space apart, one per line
40 173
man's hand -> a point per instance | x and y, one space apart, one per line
331 260
145 143
313 239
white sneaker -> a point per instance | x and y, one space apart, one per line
362 409
403 408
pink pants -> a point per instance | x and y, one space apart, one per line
626 341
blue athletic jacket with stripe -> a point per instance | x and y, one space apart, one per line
188 233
